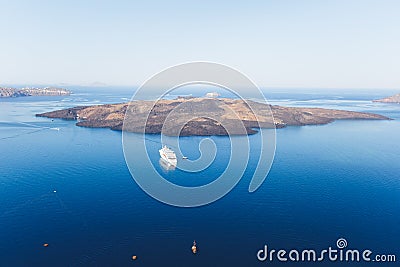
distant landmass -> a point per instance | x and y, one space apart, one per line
390 99
33 91
226 111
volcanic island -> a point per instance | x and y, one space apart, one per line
201 116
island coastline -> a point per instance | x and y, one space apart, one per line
203 109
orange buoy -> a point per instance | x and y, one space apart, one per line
45 245
194 247
134 257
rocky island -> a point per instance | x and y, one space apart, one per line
194 115
33 91
391 99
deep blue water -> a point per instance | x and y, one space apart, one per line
330 181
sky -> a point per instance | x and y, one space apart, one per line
281 43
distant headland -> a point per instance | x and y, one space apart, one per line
33 91
390 99
180 111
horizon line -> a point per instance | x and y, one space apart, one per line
103 85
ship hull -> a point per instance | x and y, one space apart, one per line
172 162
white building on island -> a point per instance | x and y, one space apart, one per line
212 95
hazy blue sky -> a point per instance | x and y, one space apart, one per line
341 44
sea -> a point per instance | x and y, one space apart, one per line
70 188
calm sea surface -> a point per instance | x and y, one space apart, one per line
327 182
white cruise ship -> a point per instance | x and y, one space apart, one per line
168 155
